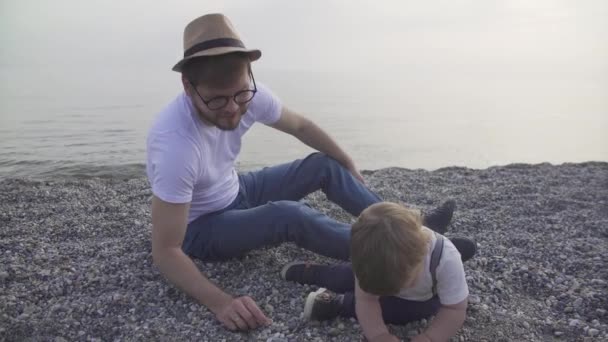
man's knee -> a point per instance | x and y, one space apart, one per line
292 218
322 160
289 210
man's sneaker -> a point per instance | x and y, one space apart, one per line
299 272
466 247
439 218
322 305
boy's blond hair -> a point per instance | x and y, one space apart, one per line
387 245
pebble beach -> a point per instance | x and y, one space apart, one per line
76 264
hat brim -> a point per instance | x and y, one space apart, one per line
253 54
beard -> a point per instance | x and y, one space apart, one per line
224 122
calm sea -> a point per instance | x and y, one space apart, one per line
75 121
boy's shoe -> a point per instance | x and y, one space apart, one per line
299 272
322 305
439 218
466 247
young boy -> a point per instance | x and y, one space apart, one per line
403 272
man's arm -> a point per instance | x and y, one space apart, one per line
313 136
369 314
169 223
447 322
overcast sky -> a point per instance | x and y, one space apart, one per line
316 35
501 80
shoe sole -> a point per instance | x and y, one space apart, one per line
310 301
286 267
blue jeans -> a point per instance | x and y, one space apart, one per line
267 212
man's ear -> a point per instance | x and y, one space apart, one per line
187 86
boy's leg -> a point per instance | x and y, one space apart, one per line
395 310
293 181
324 304
234 232
340 279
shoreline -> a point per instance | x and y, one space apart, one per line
75 260
67 170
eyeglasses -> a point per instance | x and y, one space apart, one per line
219 102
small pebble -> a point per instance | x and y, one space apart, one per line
474 299
276 339
412 333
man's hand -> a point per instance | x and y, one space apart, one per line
241 313
169 223
313 136
353 170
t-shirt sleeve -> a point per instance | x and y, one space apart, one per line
452 285
266 106
172 167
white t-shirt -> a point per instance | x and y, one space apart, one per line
451 282
189 161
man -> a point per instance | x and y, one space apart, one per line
202 208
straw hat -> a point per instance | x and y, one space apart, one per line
211 35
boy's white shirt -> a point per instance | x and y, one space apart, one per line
451 281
